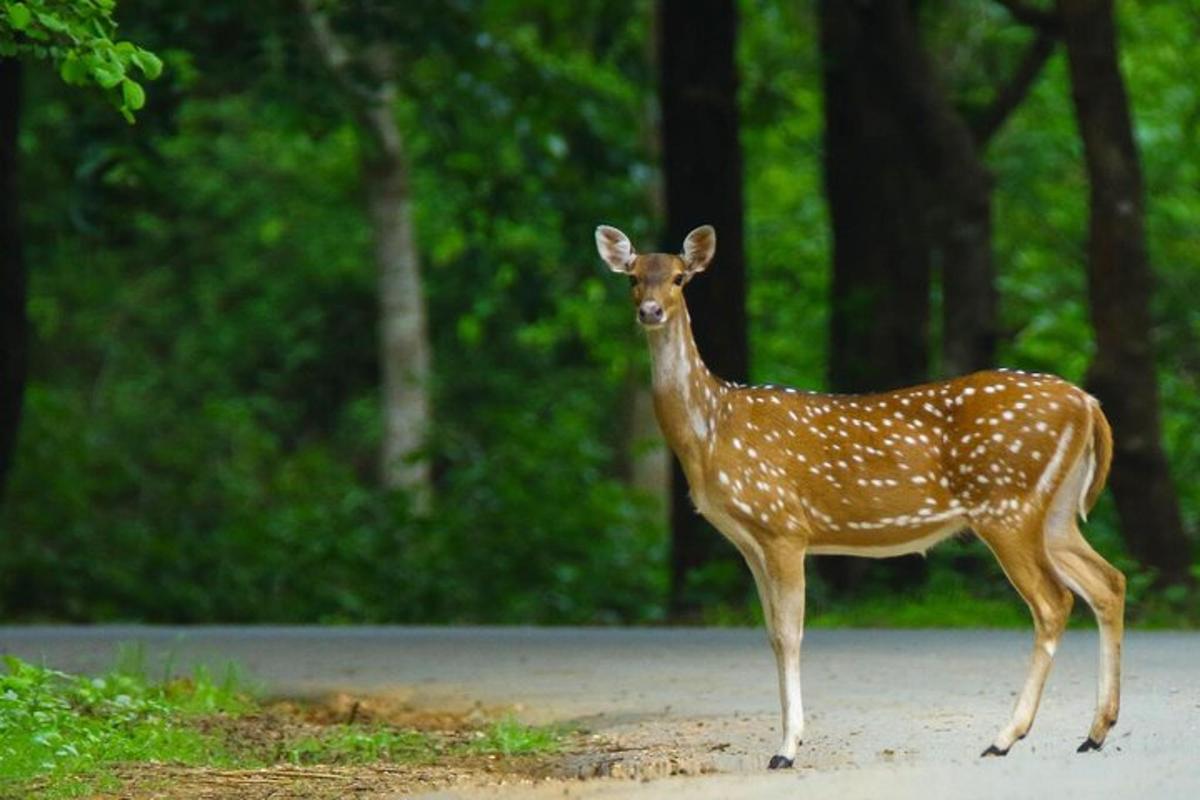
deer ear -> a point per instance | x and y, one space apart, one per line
699 248
614 248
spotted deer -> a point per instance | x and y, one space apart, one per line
1014 457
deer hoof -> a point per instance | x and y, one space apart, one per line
1088 744
993 751
779 762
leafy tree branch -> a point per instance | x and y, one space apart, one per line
80 38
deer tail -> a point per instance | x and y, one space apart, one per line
1099 456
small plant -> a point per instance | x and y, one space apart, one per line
348 744
511 738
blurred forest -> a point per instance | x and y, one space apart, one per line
323 335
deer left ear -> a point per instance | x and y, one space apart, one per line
699 248
615 248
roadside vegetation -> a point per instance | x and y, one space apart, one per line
64 735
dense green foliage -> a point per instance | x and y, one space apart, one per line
201 426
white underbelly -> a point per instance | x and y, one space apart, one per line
867 550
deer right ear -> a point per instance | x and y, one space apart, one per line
615 248
699 248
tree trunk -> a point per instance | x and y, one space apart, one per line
404 350
907 189
644 459
1119 287
702 170
403 334
879 315
969 299
14 326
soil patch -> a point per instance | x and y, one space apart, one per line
344 708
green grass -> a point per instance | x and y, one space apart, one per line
975 596
933 611
349 744
950 606
61 735
56 726
509 737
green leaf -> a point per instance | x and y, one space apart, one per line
73 71
19 16
135 96
150 64
52 22
106 74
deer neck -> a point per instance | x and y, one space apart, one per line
686 394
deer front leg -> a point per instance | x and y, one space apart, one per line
782 589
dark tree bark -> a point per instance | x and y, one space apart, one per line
969 297
1119 286
907 191
879 315
14 326
702 166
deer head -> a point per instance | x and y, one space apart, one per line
657 279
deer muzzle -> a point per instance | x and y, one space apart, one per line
651 313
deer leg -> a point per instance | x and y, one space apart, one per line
784 585
1102 587
764 595
1032 574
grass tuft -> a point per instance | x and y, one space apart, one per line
509 737
348 744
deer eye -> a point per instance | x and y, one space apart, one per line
633 280
679 279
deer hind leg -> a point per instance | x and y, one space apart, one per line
1031 572
1102 587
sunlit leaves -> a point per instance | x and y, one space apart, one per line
19 16
79 37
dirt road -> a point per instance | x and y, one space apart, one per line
889 713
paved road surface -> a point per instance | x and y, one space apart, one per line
890 713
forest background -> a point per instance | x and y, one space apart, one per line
323 336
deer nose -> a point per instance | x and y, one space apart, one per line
650 313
